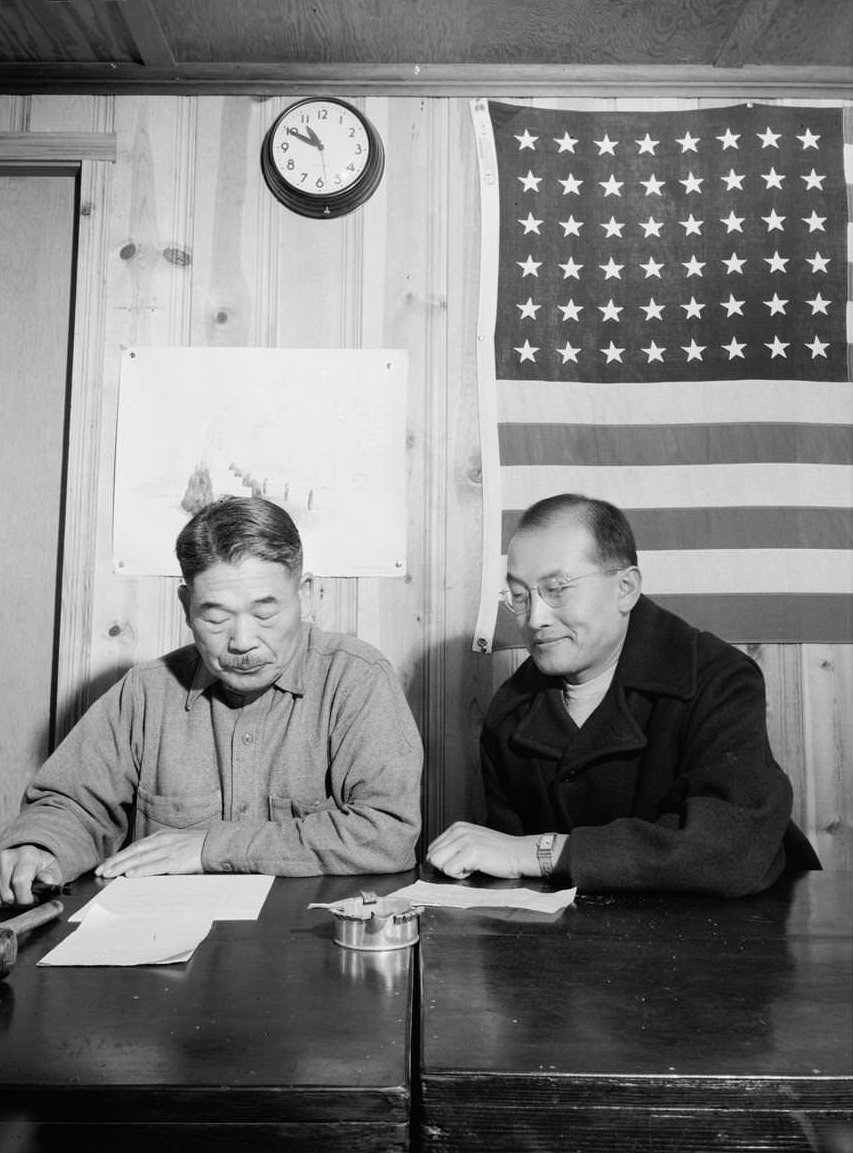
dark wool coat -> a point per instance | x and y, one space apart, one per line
669 785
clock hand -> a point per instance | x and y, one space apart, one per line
313 139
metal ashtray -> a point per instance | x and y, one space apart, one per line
373 923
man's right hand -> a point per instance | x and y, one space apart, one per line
19 867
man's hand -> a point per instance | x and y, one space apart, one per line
464 849
19 867
164 852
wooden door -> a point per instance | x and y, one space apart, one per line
37 227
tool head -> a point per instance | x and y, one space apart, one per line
11 929
8 951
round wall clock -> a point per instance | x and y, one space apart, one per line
322 157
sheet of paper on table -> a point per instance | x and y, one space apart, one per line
105 938
156 920
218 896
467 897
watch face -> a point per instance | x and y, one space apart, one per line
320 147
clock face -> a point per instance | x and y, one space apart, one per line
322 148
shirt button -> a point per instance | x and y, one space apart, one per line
244 808
247 738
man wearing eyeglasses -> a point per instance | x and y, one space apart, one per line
630 751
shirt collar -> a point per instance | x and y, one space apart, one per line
291 679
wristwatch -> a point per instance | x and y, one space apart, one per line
544 850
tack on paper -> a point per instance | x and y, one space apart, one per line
213 895
105 938
321 432
468 897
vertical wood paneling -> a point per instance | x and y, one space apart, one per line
828 729
181 242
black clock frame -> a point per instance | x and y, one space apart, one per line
325 206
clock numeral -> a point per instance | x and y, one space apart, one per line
284 146
319 182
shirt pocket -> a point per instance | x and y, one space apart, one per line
155 811
284 808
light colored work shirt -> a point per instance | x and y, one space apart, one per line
319 774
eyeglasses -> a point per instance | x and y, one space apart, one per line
553 591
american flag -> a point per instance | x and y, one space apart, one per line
664 323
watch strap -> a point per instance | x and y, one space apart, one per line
545 853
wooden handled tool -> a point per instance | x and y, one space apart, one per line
10 931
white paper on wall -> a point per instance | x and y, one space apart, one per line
320 432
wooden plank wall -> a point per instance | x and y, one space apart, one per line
182 244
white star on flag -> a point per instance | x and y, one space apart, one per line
813 181
688 143
571 185
571 227
613 353
776 262
611 269
529 309
777 348
692 308
526 141
768 139
773 221
694 351
809 139
611 186
530 183
819 304
653 352
692 183
610 311
733 307
692 226
652 268
729 139
814 222
527 352
818 347
694 267
734 263
612 227
529 267
653 185
571 268
734 348
776 305
733 223
773 178
653 310
647 145
531 224
651 227
565 143
569 353
818 262
571 311
606 145
733 180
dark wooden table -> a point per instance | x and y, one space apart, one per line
270 1037
648 1023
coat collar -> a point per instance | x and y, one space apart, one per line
659 658
291 679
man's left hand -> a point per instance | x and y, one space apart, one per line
165 852
464 849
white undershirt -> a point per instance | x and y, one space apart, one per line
581 700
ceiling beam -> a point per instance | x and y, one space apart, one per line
750 27
429 79
147 33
